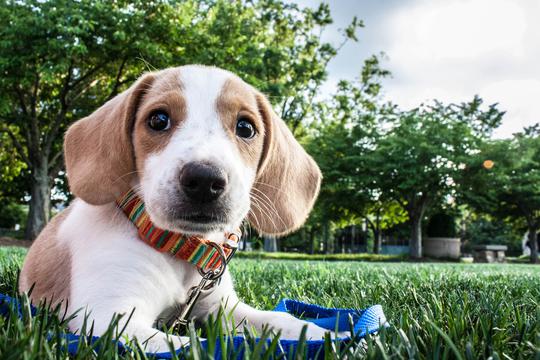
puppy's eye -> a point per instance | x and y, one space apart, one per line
244 128
159 121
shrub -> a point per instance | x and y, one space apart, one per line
442 225
483 231
11 214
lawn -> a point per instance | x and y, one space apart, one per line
437 311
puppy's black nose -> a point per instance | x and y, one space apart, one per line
203 182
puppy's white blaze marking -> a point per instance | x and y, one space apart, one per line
201 137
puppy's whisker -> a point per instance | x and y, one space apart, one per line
257 222
137 172
254 218
268 202
263 208
270 208
268 185
263 212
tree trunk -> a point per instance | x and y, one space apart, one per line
533 243
353 235
325 238
270 243
244 242
304 241
415 245
328 239
416 214
377 241
377 236
38 214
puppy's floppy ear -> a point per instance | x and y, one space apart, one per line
287 177
98 148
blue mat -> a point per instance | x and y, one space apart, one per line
365 322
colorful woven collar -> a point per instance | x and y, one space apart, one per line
193 249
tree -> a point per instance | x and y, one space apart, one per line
503 180
382 215
60 60
343 132
420 157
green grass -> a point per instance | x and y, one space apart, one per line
326 257
437 311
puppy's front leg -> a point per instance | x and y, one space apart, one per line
289 326
137 327
244 315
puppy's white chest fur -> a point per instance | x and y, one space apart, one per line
111 261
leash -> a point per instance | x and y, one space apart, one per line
367 321
210 258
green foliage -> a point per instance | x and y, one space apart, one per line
12 170
483 231
420 157
60 60
338 141
508 185
387 165
511 188
442 225
444 310
341 138
11 214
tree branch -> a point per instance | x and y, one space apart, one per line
22 103
370 224
34 98
55 158
525 213
20 96
60 117
56 164
284 108
87 74
32 134
18 146
117 81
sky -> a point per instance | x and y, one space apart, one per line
446 49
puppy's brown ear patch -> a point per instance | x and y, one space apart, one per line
288 179
98 149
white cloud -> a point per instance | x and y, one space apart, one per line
449 50
458 30
454 49
521 99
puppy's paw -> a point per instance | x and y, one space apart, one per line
158 342
313 332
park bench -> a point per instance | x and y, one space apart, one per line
490 253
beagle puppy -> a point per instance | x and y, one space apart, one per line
204 151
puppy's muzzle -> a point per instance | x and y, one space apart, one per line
203 182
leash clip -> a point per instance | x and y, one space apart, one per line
210 278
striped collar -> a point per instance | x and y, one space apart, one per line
193 249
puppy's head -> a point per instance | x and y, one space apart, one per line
203 149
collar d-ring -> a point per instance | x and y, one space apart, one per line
214 274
